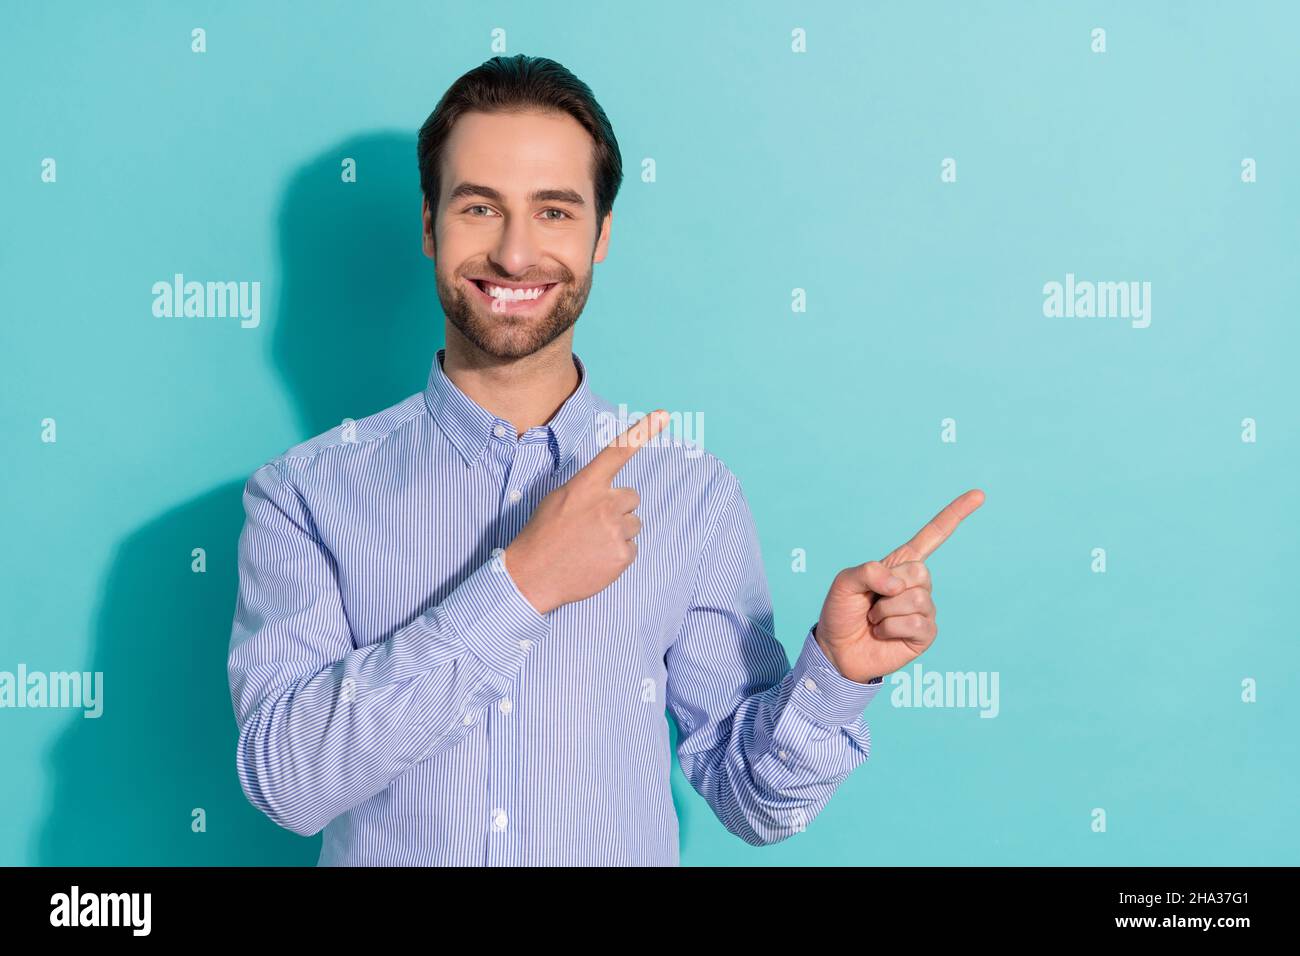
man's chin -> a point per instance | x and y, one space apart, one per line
509 336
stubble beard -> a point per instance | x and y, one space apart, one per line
505 336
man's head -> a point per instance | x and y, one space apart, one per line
519 168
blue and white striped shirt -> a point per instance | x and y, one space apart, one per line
393 687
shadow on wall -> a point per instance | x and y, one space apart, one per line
356 329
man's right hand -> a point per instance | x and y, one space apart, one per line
579 539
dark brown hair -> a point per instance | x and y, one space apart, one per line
517 84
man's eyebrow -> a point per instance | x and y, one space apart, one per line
552 194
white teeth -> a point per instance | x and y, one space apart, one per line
517 295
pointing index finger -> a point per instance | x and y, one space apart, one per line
610 460
937 530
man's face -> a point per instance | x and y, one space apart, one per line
517 206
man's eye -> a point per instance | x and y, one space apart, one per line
560 211
470 209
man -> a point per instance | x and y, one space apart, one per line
459 626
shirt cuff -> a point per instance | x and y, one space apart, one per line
491 615
824 694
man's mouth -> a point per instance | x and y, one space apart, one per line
503 298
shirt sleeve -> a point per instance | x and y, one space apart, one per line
764 743
325 725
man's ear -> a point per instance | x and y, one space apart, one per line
602 240
429 241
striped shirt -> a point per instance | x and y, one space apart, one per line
394 688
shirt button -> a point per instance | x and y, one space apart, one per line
808 682
468 718
504 705
499 431
782 754
515 494
499 819
525 644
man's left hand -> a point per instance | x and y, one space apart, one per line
880 615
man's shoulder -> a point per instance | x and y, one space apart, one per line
351 437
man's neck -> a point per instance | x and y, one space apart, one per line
525 392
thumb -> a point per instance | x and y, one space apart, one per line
874 576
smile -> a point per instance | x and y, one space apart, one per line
508 299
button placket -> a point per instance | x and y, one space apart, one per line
527 461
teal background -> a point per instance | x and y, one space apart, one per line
775 171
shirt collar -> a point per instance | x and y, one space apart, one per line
470 427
